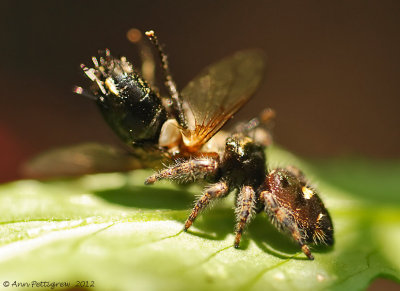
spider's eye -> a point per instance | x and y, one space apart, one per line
230 145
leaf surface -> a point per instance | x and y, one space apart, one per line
111 231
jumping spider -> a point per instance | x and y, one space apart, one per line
284 194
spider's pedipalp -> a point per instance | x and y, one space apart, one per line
217 190
190 170
245 209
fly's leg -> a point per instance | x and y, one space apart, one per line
169 81
186 171
245 209
217 190
265 119
135 36
284 221
259 128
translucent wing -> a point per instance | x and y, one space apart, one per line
82 159
218 92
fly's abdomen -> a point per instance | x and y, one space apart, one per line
132 109
128 104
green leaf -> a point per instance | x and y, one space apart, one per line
112 231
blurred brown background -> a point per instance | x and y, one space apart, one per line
333 68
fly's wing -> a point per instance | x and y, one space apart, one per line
82 159
218 92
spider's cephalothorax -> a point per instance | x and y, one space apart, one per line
241 167
243 162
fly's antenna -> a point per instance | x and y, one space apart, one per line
169 81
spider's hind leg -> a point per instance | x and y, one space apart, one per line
284 220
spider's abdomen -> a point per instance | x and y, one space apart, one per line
295 207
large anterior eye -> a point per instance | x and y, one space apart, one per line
230 145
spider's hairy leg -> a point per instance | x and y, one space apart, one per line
169 81
217 190
244 211
284 220
192 169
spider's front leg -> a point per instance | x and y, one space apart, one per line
245 209
217 190
183 171
194 169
